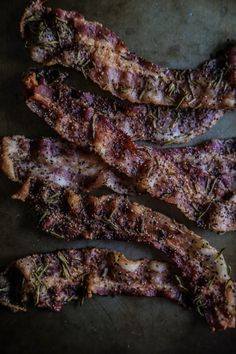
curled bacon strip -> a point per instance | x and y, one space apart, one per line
65 214
53 279
199 180
65 37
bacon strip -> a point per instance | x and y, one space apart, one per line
51 280
141 122
59 162
199 180
65 37
67 215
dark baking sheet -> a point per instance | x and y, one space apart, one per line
171 32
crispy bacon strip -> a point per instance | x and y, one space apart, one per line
67 215
51 280
59 162
65 37
141 122
199 180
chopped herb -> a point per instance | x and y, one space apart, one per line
82 300
210 282
175 120
228 283
61 19
181 101
123 89
220 253
53 199
63 31
4 289
154 117
83 68
142 94
94 125
105 272
215 83
199 305
33 18
65 265
181 286
171 89
178 140
199 106
37 281
142 225
110 223
206 210
229 270
45 214
56 234
209 191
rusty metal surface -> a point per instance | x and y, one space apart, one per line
175 33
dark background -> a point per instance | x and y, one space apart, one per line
170 32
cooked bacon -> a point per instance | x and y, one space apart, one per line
50 280
65 37
141 122
67 215
199 180
60 162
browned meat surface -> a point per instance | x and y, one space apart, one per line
59 162
65 214
199 180
51 280
65 37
